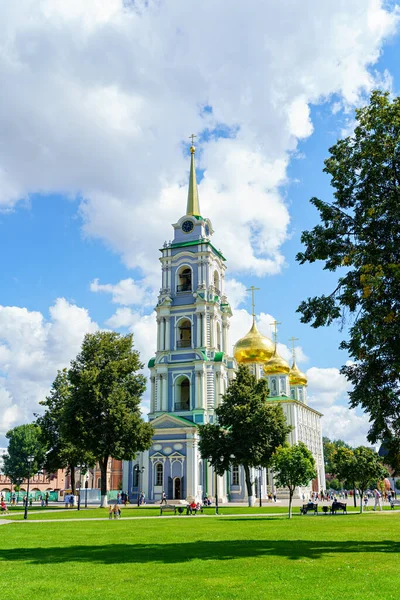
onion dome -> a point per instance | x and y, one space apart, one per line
297 377
253 347
276 365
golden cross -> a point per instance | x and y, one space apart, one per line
252 289
293 340
192 138
275 323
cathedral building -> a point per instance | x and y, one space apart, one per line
192 368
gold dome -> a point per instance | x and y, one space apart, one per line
276 365
297 377
253 347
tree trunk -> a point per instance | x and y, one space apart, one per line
248 485
290 501
103 470
73 483
354 496
361 500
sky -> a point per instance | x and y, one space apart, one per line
98 101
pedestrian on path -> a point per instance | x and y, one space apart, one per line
378 497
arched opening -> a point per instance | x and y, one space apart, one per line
159 474
184 334
177 488
184 280
216 282
182 394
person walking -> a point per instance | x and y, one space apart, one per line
378 497
163 498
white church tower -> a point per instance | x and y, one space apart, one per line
191 367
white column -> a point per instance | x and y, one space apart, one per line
204 330
158 396
144 477
225 336
189 468
167 333
152 393
212 332
198 390
162 334
217 389
198 330
158 334
165 392
203 389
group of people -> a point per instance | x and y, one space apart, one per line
114 511
122 498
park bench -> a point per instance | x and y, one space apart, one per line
338 506
310 506
394 502
168 508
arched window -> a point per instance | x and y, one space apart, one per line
216 282
184 334
159 474
235 475
182 394
184 280
99 482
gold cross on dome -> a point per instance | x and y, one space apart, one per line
191 137
252 289
293 340
275 333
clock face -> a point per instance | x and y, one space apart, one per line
207 230
187 226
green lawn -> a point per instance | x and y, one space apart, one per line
354 556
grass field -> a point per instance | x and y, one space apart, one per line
354 556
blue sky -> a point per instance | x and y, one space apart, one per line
94 164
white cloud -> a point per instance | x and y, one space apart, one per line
326 386
100 95
31 350
127 291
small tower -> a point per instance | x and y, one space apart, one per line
297 379
276 370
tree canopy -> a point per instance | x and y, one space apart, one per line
103 410
358 467
248 429
63 453
329 449
24 441
359 237
293 466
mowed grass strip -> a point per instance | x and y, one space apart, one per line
189 558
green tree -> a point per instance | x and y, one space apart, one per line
293 466
330 448
103 410
248 428
63 452
333 484
359 467
359 237
24 441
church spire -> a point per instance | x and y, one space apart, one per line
193 206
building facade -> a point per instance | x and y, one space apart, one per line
192 368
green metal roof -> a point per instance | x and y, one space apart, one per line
151 363
197 243
218 357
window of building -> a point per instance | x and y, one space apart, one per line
159 474
184 283
99 482
184 334
235 475
135 478
182 392
216 283
218 344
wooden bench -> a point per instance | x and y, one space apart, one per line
338 506
310 506
168 508
394 502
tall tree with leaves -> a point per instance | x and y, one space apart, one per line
24 441
248 430
103 411
63 452
359 237
330 448
293 466
359 467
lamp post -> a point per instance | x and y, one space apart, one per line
80 467
138 470
259 485
30 460
216 490
86 487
